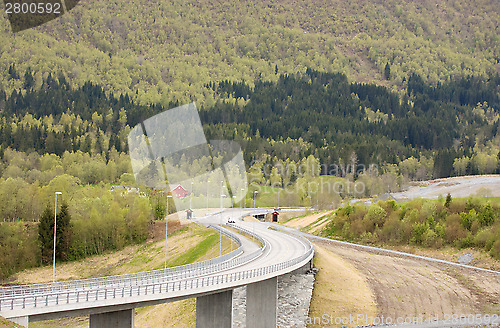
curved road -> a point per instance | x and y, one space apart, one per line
282 253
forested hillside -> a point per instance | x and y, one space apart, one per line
437 131
56 137
159 51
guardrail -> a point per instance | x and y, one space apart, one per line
174 273
67 297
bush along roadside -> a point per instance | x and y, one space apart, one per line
461 223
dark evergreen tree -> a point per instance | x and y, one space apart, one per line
13 72
46 234
387 71
29 80
64 232
447 202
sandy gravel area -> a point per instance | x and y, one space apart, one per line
458 187
405 287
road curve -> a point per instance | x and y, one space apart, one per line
281 254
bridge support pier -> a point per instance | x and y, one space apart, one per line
215 310
121 319
262 303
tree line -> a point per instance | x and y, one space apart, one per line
460 223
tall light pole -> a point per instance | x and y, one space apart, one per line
220 218
241 205
208 183
166 232
221 190
253 223
55 232
234 201
242 200
191 196
279 198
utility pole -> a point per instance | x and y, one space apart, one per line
166 233
55 233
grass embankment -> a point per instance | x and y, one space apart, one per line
189 244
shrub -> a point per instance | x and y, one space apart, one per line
495 250
389 205
428 210
431 239
482 237
486 216
419 229
467 241
468 218
454 231
457 206
374 218
393 230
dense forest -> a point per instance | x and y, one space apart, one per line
163 50
363 123
436 130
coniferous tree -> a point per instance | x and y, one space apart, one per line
64 234
447 202
46 234
29 81
387 71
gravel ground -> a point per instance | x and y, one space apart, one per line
294 296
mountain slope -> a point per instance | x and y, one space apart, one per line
161 50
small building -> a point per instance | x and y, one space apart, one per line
178 191
189 214
275 215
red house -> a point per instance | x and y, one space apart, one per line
178 191
275 215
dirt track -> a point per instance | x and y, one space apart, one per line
417 288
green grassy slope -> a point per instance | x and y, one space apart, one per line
165 49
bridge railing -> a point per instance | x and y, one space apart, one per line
173 273
99 294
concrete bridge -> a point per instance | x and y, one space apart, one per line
110 301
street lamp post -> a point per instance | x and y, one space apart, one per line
242 200
241 204
166 233
253 224
208 183
279 198
55 233
220 218
191 196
